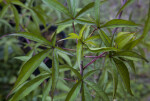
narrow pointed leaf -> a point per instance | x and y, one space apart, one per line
81 31
63 51
64 22
119 23
104 38
98 90
4 10
89 73
72 7
16 15
147 24
73 70
85 9
47 89
84 21
79 52
125 5
55 71
31 65
73 92
131 64
97 12
86 96
123 38
123 71
103 49
130 55
73 36
34 37
28 87
57 6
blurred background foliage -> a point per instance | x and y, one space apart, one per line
10 47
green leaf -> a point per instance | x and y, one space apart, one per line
47 90
79 52
98 90
90 38
104 38
63 51
132 44
115 81
131 63
40 16
31 65
84 9
16 15
130 55
147 25
74 92
64 22
86 96
73 36
123 71
81 31
90 73
28 87
123 38
4 10
84 21
72 7
55 71
74 70
5 22
119 23
103 49
57 5
97 12
65 57
16 2
34 37
124 6
53 40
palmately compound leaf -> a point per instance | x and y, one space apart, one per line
57 5
98 90
31 65
124 73
34 37
119 23
130 55
29 86
73 93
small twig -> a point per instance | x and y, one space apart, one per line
101 55
69 49
91 56
92 32
73 27
69 80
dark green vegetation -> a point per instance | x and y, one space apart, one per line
100 62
